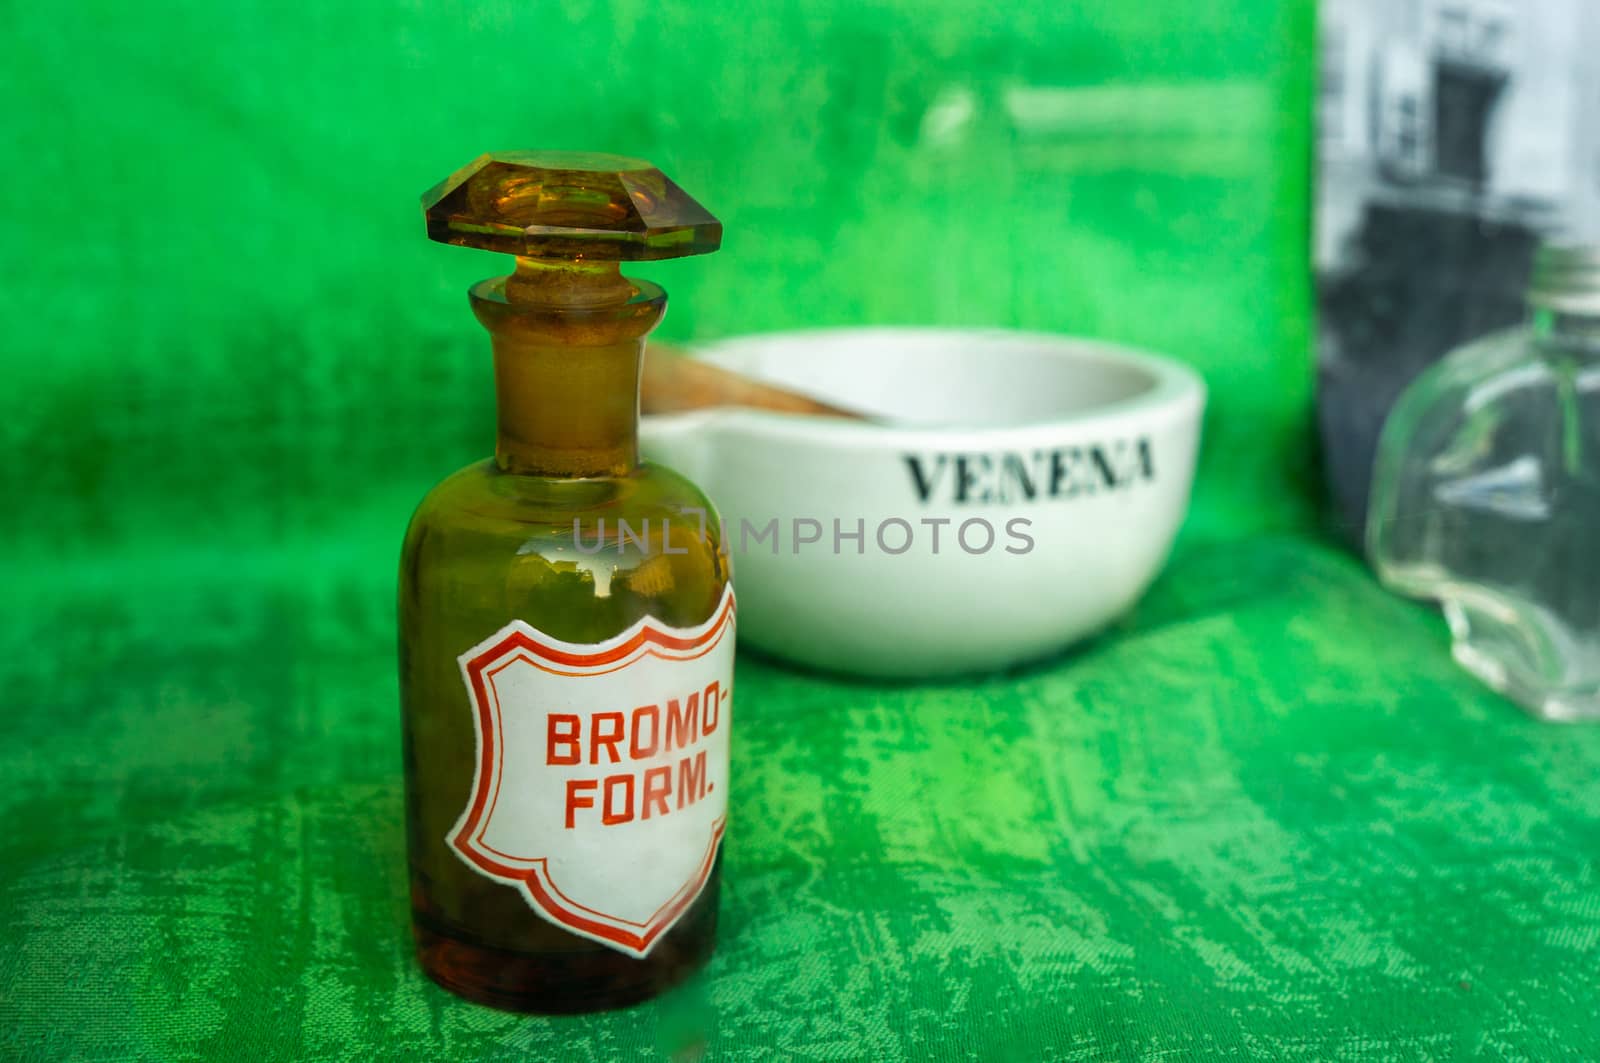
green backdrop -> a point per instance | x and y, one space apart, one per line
1265 816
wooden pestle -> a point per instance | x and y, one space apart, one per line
673 382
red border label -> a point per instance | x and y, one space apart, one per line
648 638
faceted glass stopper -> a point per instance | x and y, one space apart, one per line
558 205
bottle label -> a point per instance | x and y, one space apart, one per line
601 782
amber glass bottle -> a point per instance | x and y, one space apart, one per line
565 620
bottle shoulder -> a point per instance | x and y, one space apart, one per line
485 495
579 559
1507 367
1495 389
1494 362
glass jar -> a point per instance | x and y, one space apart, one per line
1486 495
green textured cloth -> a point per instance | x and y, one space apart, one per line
1264 816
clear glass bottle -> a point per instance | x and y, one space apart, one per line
565 620
1486 495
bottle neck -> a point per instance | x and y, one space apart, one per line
564 412
567 378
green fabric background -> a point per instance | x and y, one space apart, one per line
1264 817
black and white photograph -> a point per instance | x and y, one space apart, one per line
1452 137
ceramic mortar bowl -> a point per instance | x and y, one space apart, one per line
1011 494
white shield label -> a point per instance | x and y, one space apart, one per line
601 782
